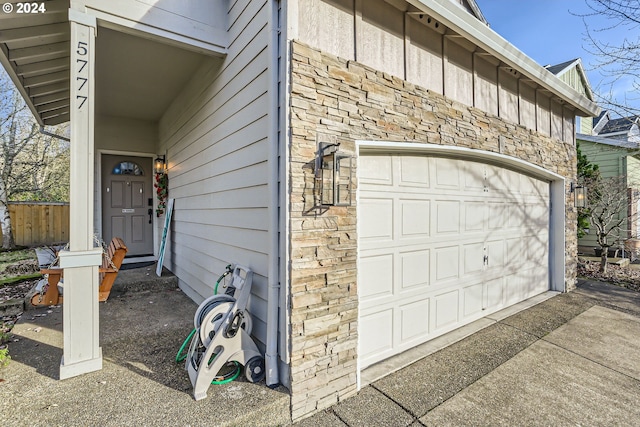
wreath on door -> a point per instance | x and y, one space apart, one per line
162 191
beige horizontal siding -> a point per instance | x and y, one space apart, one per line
215 136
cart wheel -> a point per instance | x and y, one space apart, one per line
254 369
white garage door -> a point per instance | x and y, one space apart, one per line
443 242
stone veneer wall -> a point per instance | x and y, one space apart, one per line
346 101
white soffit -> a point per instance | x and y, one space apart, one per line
468 26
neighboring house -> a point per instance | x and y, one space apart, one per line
615 158
460 146
572 73
612 144
626 129
615 148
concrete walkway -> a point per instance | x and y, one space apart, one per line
573 359
142 326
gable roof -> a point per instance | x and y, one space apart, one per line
473 8
560 69
623 124
601 120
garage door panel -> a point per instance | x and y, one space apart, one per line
447 215
515 251
498 181
446 171
375 170
535 187
414 172
536 251
538 214
515 286
376 335
414 321
415 267
445 310
376 219
495 254
473 299
473 176
416 218
497 216
474 216
515 215
473 258
483 297
446 263
425 226
494 294
376 277
539 279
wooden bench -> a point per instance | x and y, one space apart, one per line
111 261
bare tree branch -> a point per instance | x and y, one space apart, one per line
618 61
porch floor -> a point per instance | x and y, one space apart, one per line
142 326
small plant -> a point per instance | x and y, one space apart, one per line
4 356
4 349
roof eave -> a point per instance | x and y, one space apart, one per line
11 72
484 37
618 143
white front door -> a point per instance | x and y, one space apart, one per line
443 242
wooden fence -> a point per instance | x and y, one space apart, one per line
39 223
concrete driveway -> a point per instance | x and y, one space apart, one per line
571 360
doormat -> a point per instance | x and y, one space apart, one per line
136 265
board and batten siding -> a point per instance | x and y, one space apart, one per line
418 49
215 138
573 78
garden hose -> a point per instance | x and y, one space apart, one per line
181 355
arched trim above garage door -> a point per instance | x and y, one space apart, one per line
557 189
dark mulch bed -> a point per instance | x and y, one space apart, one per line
16 290
622 276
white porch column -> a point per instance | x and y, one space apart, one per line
82 352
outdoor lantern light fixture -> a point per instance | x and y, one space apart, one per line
580 194
332 176
159 164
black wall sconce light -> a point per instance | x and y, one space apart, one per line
580 195
332 176
159 164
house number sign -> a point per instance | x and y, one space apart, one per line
82 78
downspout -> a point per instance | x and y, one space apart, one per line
273 289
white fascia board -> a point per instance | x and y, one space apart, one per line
465 24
